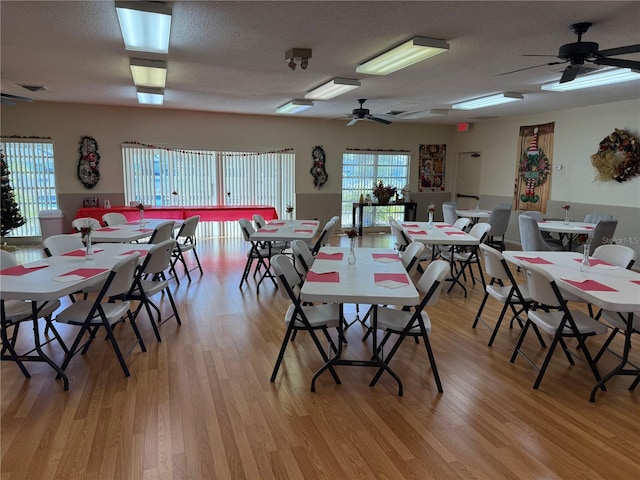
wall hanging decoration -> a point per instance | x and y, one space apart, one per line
532 186
318 171
88 172
432 161
618 157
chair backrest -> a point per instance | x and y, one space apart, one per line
400 239
602 234
162 232
78 223
158 259
289 282
499 220
596 217
324 236
542 286
411 257
114 218
449 212
616 254
121 277
530 236
259 221
57 244
493 263
432 281
480 230
302 254
462 223
331 230
188 229
7 260
247 228
534 214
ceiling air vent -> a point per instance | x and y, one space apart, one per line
35 88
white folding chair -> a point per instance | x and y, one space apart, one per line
257 253
90 222
186 242
162 232
114 218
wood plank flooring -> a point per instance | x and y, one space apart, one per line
199 404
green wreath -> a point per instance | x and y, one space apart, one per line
618 157
541 164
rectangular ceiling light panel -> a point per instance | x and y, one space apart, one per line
150 96
294 106
489 101
331 89
149 73
413 51
604 77
145 26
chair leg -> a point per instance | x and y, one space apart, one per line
614 332
482 304
516 350
498 323
432 359
7 345
547 359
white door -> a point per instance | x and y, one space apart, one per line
469 168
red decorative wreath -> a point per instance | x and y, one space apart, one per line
618 157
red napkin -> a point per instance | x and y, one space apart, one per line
80 252
455 233
444 226
396 277
416 232
268 230
411 225
588 228
19 270
331 277
301 230
594 261
278 224
141 252
386 255
590 285
145 230
309 223
85 272
637 282
107 229
329 256
538 260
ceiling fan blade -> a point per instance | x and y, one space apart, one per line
6 101
570 73
614 62
379 120
612 52
529 68
16 97
352 122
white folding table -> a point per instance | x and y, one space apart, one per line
571 229
375 279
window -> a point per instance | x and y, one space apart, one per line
33 180
166 177
360 172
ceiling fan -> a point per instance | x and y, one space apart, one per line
363 114
8 99
577 53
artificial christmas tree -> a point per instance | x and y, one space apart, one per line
11 217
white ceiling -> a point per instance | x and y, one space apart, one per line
229 56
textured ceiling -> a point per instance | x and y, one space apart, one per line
229 56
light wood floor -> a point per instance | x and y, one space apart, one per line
199 405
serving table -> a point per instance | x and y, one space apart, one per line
410 211
571 229
474 214
375 279
55 277
608 286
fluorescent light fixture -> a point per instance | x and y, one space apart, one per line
148 73
331 89
150 96
294 106
489 101
413 51
603 77
145 26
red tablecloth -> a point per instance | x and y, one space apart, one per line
207 214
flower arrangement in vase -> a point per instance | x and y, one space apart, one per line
289 210
85 233
384 192
566 207
140 208
352 234
432 209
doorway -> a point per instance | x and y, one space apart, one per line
467 190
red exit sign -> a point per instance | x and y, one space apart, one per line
463 127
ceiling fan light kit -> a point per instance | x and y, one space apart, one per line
145 26
301 55
489 101
404 55
332 89
603 77
294 106
148 73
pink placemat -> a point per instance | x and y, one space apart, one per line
444 226
416 232
537 260
19 270
268 230
588 228
85 272
80 252
411 225
137 222
396 277
330 277
637 282
590 285
145 230
141 252
542 221
455 233
108 229
310 223
595 261
393 256
302 230
329 256
278 224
